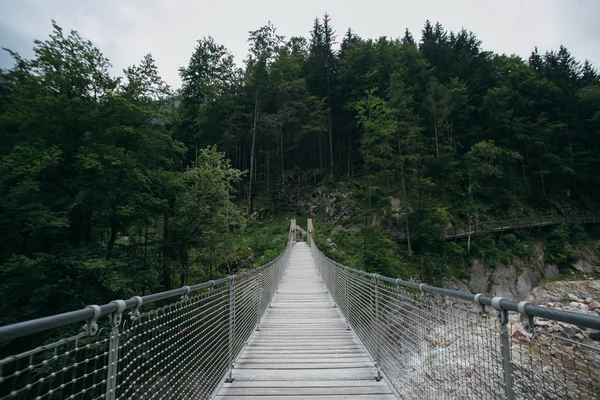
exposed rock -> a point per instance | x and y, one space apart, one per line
527 281
338 205
577 306
456 284
572 297
588 300
571 330
395 206
259 214
521 334
594 305
557 291
504 281
594 335
550 271
588 262
479 275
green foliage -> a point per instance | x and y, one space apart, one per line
433 268
559 249
119 185
95 203
515 246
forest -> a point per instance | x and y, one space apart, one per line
116 186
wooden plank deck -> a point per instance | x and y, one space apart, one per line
303 350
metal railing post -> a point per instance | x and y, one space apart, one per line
259 298
113 350
377 327
502 316
347 298
333 279
231 327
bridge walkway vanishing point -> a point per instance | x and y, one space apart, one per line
304 349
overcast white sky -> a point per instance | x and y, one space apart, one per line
125 30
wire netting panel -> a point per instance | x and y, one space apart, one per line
71 368
175 352
176 348
439 347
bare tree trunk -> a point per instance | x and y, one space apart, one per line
405 197
282 166
331 161
542 178
349 153
251 177
267 169
165 250
435 128
320 154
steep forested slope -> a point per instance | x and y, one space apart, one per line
115 186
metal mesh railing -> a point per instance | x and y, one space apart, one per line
438 343
178 344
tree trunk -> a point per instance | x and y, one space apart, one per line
165 250
282 166
435 128
331 162
349 153
114 226
405 197
542 178
320 154
452 132
251 177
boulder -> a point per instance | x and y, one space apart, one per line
593 305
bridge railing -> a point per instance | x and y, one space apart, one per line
179 344
456 232
435 343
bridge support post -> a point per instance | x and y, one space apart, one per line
113 350
347 298
231 327
377 326
502 316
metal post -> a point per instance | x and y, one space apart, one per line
502 316
231 326
113 350
377 327
259 299
347 298
332 279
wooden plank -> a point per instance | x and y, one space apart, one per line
303 350
315 383
300 391
313 397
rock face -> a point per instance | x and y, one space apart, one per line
550 271
588 263
337 205
479 275
516 280
504 281
527 281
